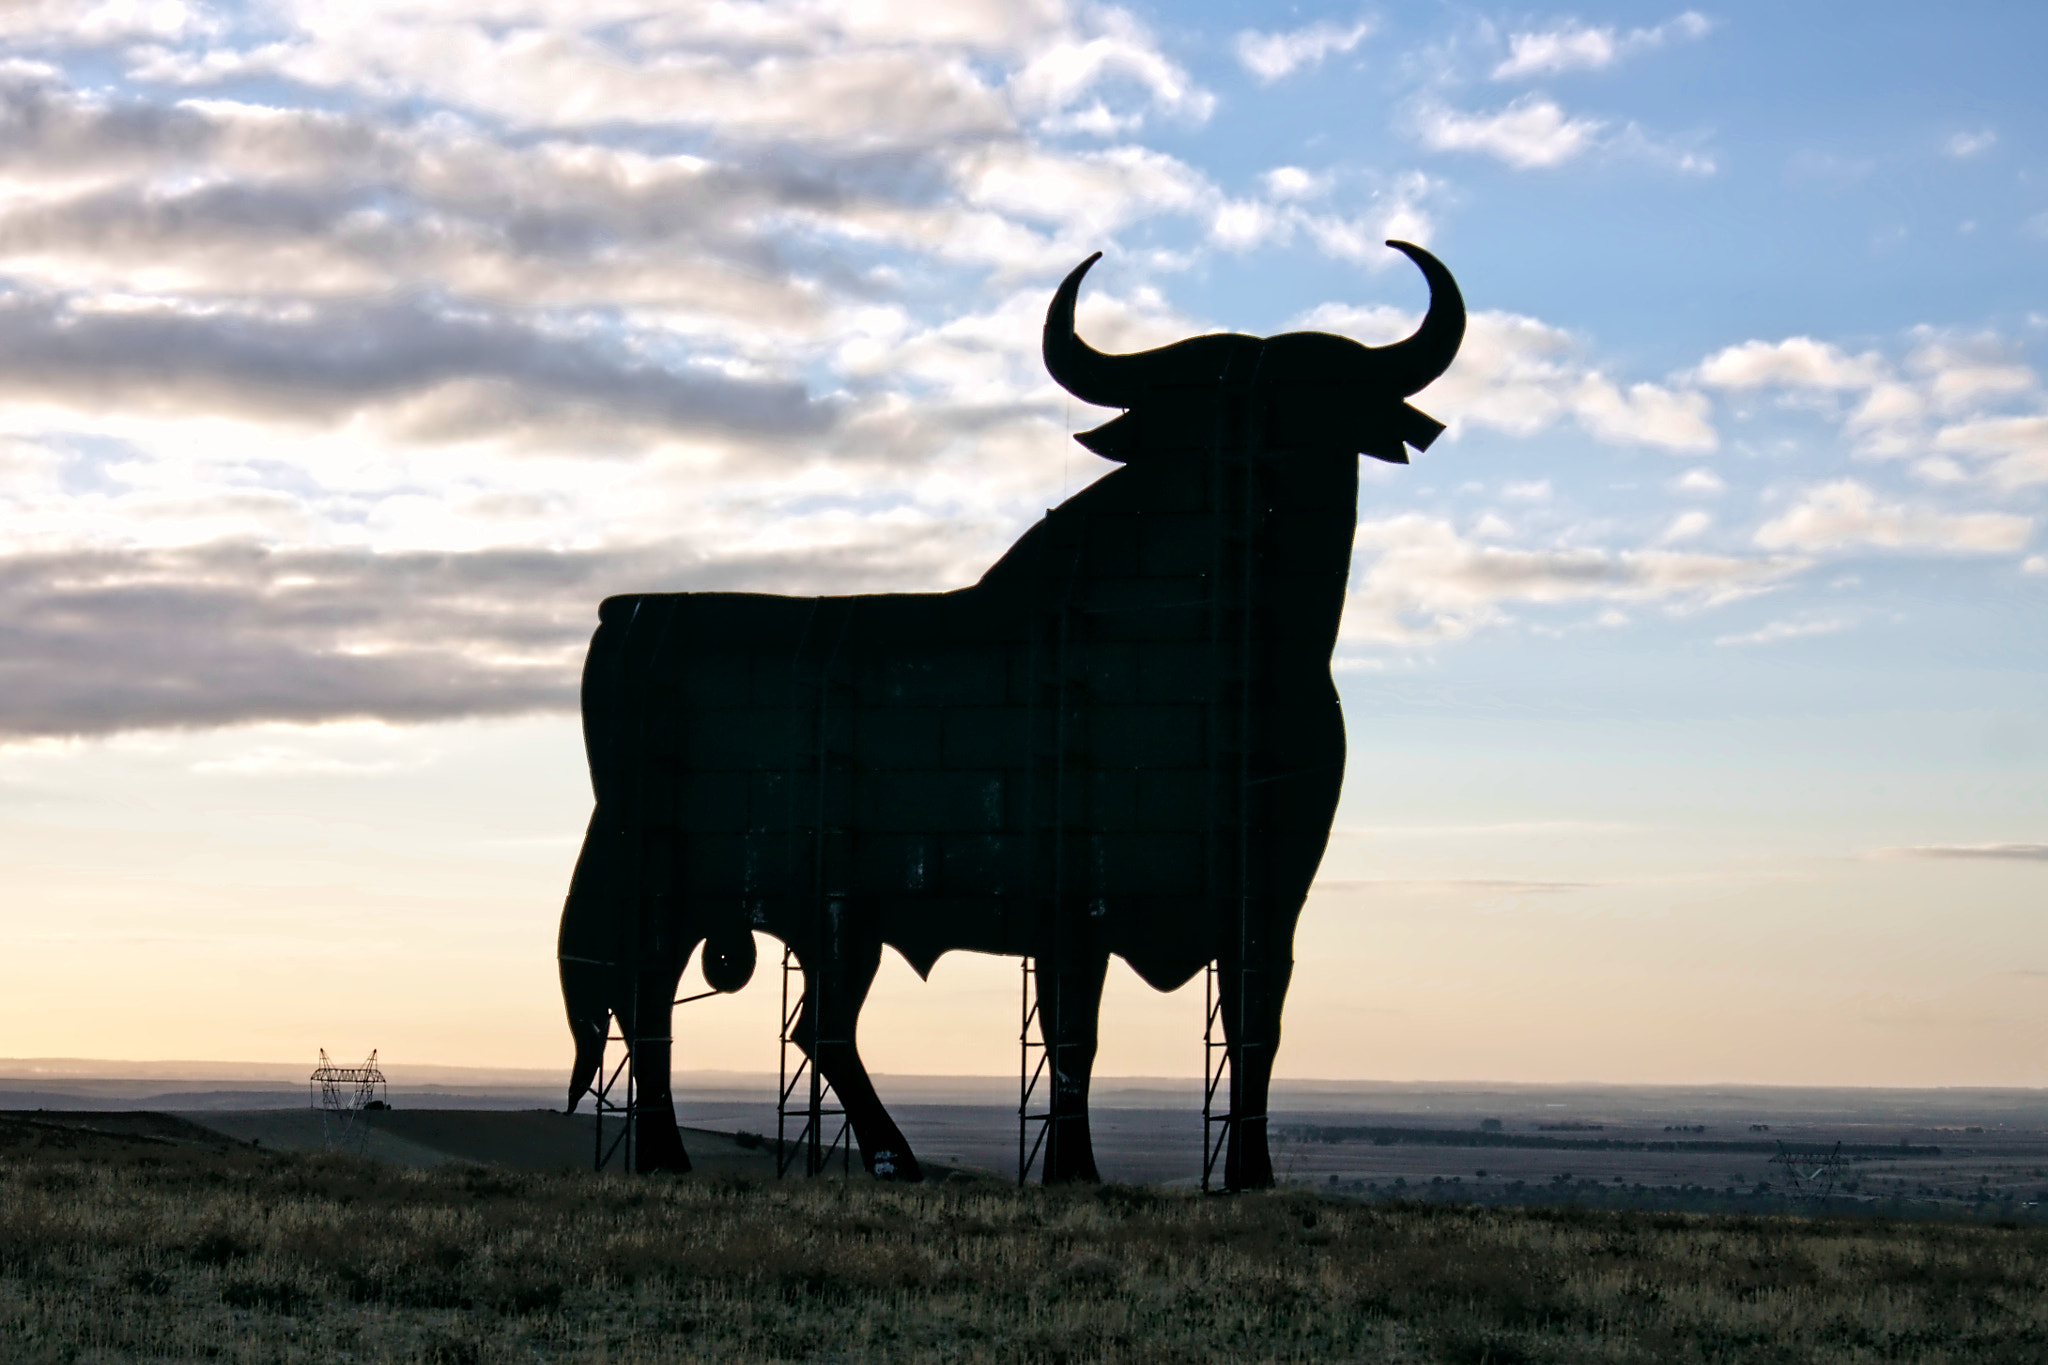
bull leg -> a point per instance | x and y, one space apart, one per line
647 1023
603 936
1069 1014
1251 1003
829 1041
591 949
586 994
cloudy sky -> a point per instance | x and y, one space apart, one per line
349 354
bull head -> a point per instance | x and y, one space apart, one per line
1319 391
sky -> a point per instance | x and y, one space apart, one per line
350 354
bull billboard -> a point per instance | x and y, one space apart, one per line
1124 739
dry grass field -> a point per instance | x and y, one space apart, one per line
166 1243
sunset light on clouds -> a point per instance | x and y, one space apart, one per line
349 355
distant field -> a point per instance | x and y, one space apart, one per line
1957 1150
161 1240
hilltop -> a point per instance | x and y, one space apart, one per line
169 1241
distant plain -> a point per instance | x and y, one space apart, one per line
1962 1150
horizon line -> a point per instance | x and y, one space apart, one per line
194 1070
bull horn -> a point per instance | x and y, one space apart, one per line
1112 381
1076 366
1412 365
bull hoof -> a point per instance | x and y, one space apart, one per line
1251 1171
659 1147
1071 1171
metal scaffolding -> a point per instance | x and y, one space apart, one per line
1029 1073
622 1077
822 751
819 1104
626 1109
1215 1072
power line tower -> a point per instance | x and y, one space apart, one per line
1810 1172
342 1093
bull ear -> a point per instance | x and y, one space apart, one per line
1418 428
1389 440
1114 439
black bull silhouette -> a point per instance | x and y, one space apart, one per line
1124 739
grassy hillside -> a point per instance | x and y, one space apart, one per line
146 1246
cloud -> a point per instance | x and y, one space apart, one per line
1534 132
1529 134
1090 194
1520 375
1576 47
1492 526
1796 362
300 202
1396 208
1687 526
1701 481
587 71
1340 885
1423 582
2026 853
232 632
1960 372
1292 182
1966 145
1074 67
1950 396
1845 514
1274 56
1786 630
1644 414
876 77
262 365
2016 447
780 268
427 374
283 760
564 79
103 23
1540 828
